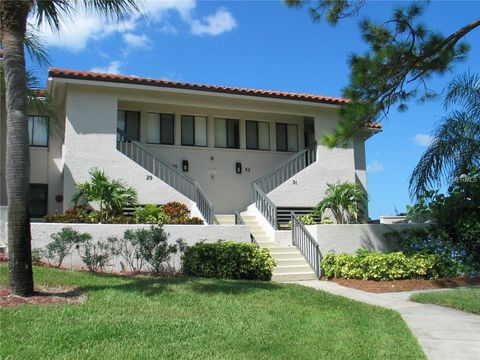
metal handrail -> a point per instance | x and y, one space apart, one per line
266 207
239 221
307 245
288 168
167 173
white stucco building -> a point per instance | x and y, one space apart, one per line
216 149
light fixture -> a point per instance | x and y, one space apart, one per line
238 168
185 165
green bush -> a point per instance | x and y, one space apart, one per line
151 214
367 265
96 255
228 259
62 244
152 246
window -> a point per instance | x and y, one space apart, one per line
194 130
129 123
38 131
160 128
37 201
258 135
227 133
287 137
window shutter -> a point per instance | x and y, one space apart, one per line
167 129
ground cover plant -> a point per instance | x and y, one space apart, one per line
461 299
368 265
184 318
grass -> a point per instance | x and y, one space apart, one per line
186 318
461 299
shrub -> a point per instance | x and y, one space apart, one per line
176 211
228 259
151 214
62 244
85 214
96 255
152 246
111 196
367 265
326 220
305 220
37 255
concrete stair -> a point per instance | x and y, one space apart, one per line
224 219
291 265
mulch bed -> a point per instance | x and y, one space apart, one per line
43 296
406 285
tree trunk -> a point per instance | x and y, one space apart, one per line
13 17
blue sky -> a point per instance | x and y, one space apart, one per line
263 44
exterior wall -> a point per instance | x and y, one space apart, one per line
3 226
3 136
90 142
307 188
214 168
349 238
191 234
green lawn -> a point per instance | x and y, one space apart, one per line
186 318
461 299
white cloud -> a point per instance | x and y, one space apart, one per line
82 27
216 24
136 41
423 139
375 166
112 68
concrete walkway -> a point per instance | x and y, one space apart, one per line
443 333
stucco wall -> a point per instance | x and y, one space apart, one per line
349 238
3 226
191 234
90 142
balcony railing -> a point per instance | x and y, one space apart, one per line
167 173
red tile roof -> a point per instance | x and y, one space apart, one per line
87 75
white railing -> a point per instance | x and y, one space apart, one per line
167 173
306 244
281 173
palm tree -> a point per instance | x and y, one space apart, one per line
13 27
455 149
112 196
346 201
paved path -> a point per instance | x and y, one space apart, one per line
443 333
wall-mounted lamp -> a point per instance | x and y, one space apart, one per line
238 168
185 165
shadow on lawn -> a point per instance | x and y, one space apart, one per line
151 286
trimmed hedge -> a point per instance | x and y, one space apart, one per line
367 265
228 260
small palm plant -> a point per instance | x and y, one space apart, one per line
112 196
346 201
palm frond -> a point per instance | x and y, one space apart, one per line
52 11
112 9
36 48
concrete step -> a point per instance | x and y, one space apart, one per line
294 276
291 269
262 238
265 244
284 249
287 256
290 261
224 219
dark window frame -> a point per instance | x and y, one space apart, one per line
236 139
30 139
125 119
160 135
257 134
286 136
45 188
181 130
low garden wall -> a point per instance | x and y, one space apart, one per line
191 234
348 238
